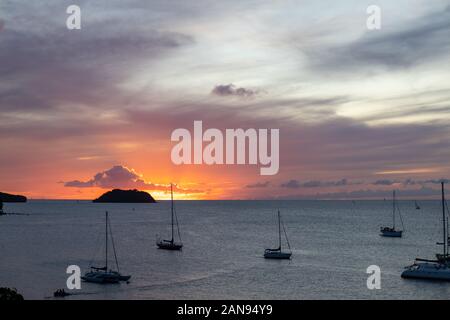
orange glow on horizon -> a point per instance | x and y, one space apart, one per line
165 195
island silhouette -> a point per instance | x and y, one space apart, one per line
6 197
125 196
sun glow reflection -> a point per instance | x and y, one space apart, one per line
165 195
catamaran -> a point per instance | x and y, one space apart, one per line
278 252
102 274
171 244
392 232
438 269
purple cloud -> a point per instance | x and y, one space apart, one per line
231 90
124 178
384 182
116 177
291 184
294 184
258 185
367 194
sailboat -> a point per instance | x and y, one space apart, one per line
278 252
392 232
417 205
438 269
102 274
171 244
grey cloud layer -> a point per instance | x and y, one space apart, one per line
421 41
50 69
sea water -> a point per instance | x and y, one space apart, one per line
333 244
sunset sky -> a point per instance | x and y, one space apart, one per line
360 112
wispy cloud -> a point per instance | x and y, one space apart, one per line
407 171
421 41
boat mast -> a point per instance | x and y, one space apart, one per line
113 246
171 198
393 209
106 247
447 237
444 243
279 229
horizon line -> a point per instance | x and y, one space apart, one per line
298 199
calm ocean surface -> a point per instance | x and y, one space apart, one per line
333 243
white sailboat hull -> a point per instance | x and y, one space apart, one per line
171 244
121 277
101 277
391 232
278 253
430 271
433 269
